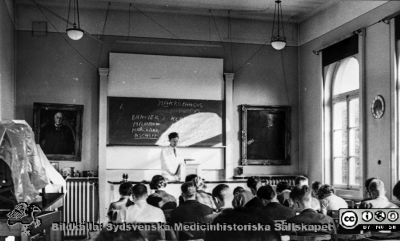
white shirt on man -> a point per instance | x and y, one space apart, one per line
170 161
333 202
142 212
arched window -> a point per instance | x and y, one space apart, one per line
342 100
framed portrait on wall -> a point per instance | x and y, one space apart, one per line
265 135
58 130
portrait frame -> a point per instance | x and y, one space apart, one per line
265 135
43 117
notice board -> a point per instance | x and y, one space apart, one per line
148 121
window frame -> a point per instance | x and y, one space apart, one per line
330 73
344 97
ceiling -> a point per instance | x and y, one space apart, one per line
293 10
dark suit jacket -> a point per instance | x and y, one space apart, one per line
277 211
254 203
188 212
310 216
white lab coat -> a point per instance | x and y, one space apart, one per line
170 163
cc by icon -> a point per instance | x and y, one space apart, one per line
349 219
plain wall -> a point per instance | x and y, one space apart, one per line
377 80
53 69
7 61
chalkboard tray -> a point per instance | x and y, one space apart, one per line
148 121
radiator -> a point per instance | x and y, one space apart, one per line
81 204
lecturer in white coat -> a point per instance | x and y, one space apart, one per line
172 163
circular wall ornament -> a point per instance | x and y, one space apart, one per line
378 107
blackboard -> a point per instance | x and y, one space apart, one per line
148 121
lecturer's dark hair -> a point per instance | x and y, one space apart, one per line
172 135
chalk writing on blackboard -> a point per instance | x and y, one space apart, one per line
147 121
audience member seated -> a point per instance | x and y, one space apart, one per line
158 183
396 190
241 199
238 190
105 235
329 201
283 193
202 196
367 194
315 187
301 181
222 196
188 178
254 183
272 208
378 196
190 211
141 211
230 217
117 210
154 200
302 197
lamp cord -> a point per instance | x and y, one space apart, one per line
77 13
69 11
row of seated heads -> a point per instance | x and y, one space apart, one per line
240 197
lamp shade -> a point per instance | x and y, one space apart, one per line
278 45
278 42
75 33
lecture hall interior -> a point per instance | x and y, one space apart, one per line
273 91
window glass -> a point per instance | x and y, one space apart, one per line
347 76
339 114
354 171
339 176
354 112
